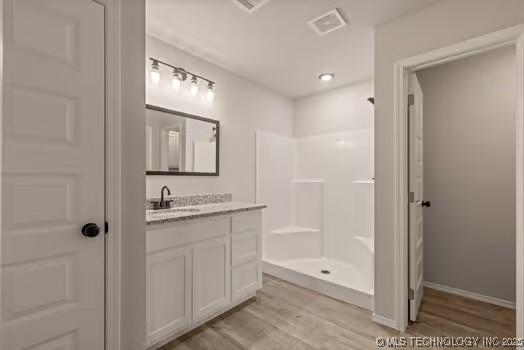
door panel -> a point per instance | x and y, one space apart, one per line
416 187
211 277
245 247
246 279
52 277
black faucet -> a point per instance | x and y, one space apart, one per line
164 203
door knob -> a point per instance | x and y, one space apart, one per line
90 230
426 204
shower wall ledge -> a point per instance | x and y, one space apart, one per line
293 229
369 182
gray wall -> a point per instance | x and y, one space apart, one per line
443 24
469 173
133 179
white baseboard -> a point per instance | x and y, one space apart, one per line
471 295
388 322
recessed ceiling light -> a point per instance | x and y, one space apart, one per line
326 76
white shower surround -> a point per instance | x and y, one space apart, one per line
319 191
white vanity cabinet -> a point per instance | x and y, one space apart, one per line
199 268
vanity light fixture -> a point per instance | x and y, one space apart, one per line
194 86
179 77
210 92
155 73
326 76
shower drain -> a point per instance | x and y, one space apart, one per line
325 272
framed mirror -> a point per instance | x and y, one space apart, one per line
179 143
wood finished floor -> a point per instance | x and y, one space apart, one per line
288 317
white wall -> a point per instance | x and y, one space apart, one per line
443 24
469 110
133 183
241 106
336 110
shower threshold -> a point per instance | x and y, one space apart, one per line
338 280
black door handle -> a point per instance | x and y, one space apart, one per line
426 204
90 230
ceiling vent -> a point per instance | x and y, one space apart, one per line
328 22
250 5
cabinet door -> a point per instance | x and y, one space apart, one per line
168 292
211 277
246 279
245 247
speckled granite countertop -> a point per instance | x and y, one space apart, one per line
192 199
198 211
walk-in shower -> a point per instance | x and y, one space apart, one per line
318 228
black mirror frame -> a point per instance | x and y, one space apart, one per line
191 116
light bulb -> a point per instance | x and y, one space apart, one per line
326 76
194 89
176 83
194 86
155 77
179 76
155 74
210 92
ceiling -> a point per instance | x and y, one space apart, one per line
274 46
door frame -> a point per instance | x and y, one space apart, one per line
513 36
113 152
112 12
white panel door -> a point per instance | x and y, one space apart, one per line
416 197
211 277
52 276
168 292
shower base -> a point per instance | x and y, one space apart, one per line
333 278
